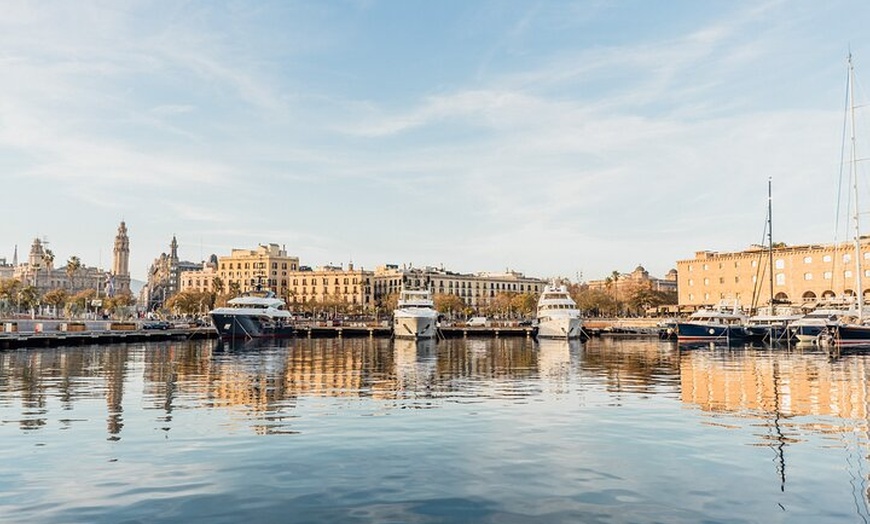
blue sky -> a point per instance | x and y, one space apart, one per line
552 138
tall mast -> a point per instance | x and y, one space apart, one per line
770 239
854 174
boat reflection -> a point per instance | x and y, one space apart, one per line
554 357
415 364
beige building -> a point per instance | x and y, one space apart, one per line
201 280
476 290
40 271
268 267
331 284
625 284
801 274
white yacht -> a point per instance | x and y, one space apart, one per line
253 315
558 316
415 316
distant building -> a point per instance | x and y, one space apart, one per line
201 280
267 267
7 271
623 285
331 284
40 271
164 278
475 290
801 275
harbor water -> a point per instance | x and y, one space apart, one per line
463 430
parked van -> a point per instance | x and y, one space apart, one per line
477 322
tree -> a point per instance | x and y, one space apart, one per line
217 285
73 266
524 304
56 298
80 302
48 258
119 305
29 297
190 303
449 304
9 289
594 303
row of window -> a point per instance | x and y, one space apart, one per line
780 277
254 265
780 262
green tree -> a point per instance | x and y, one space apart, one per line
524 304
29 297
217 285
596 303
449 304
9 289
80 302
56 298
73 266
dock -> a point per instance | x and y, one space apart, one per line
36 333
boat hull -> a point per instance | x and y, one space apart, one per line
806 333
248 326
563 328
692 332
851 335
414 326
768 333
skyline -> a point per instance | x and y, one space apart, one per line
555 139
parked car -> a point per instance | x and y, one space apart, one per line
156 324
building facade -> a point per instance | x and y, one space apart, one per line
164 277
623 285
202 279
40 271
331 285
476 290
800 275
266 267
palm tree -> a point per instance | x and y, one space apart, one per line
73 266
615 279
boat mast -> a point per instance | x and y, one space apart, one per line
770 240
854 173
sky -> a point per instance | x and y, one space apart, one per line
554 138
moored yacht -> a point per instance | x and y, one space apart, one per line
771 323
415 315
254 314
821 320
723 323
558 316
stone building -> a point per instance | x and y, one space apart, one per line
164 278
331 284
41 272
623 285
476 290
801 275
201 280
266 267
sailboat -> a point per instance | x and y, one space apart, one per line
770 323
855 332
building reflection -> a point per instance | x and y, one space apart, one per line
266 379
636 365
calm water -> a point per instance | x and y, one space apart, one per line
459 431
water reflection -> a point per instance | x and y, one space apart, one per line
624 400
